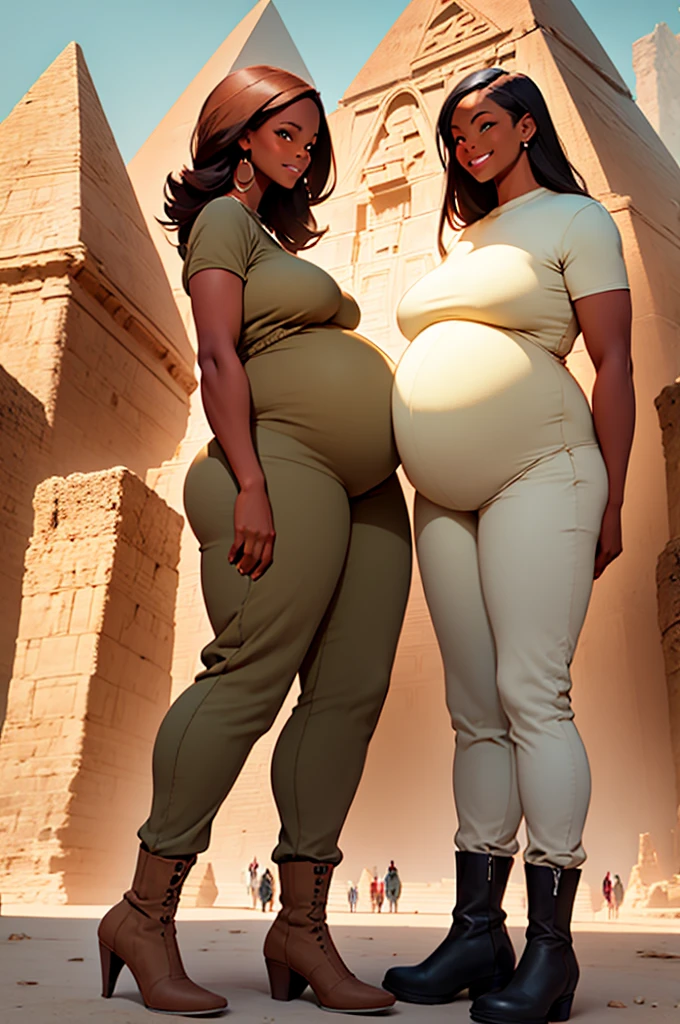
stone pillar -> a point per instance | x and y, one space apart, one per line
668 575
91 683
25 432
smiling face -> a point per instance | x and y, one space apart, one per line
487 144
281 148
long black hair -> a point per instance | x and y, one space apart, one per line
243 101
468 200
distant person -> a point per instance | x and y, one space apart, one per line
379 894
618 892
393 887
607 892
352 897
266 890
253 880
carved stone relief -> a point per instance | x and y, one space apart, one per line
453 27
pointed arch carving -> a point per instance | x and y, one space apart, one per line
401 143
397 153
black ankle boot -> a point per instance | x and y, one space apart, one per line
477 953
542 988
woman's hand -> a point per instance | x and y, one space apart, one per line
254 535
610 544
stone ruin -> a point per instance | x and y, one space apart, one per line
103 620
96 372
656 59
647 887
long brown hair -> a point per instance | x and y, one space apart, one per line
468 200
243 101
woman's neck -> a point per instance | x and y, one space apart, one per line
516 180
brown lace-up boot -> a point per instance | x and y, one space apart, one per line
140 932
299 950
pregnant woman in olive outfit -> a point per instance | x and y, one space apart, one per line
304 538
519 501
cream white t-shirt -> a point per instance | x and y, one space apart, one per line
520 268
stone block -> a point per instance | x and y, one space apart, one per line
80 620
101 701
55 701
85 704
57 656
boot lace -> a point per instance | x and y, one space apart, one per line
173 891
317 914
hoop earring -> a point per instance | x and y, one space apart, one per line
244 186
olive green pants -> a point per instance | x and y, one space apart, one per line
330 608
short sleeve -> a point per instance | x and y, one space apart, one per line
592 255
221 239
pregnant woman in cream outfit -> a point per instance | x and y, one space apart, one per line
305 544
519 494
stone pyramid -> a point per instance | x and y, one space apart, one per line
261 38
430 31
70 200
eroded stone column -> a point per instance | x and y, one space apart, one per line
668 573
91 682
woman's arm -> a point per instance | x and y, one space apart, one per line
605 320
217 303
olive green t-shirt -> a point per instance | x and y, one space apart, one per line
282 294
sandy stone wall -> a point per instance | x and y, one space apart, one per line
91 683
24 432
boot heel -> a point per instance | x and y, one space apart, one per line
493 984
285 983
561 1010
112 965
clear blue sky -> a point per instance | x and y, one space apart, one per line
142 53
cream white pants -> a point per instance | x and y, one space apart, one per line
508 588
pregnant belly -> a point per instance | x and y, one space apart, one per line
331 389
475 406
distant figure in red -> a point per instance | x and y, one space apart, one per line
607 887
377 894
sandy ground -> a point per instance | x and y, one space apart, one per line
53 973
